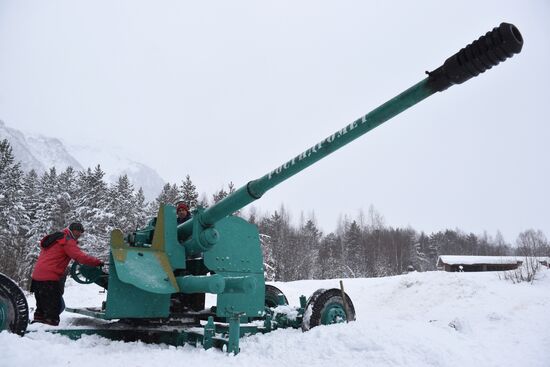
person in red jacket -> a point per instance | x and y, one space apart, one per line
49 272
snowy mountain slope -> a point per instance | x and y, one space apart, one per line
115 163
52 153
39 152
418 319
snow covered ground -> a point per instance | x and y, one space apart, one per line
418 319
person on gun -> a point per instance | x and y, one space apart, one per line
182 211
48 276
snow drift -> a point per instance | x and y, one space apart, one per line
417 319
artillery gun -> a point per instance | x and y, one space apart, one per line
158 276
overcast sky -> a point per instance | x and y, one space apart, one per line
229 90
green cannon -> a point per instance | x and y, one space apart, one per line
158 276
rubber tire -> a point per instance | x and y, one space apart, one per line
272 296
18 308
317 303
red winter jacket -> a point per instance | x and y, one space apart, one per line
53 260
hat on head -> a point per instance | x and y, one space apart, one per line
76 226
182 205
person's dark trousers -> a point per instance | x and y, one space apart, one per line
49 301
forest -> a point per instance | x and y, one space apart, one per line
33 205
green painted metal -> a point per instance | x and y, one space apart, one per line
125 300
84 274
333 313
151 335
209 332
224 336
238 258
95 313
151 267
144 236
165 237
4 319
205 238
244 284
202 284
303 302
234 334
143 270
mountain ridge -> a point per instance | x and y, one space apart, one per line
40 152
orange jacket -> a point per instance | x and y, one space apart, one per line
53 261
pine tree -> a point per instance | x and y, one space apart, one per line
122 205
307 250
14 220
269 262
68 191
354 250
30 194
92 205
189 193
419 261
141 215
277 227
169 195
219 195
203 201
252 215
45 199
330 259
49 213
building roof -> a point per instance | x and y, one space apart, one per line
481 260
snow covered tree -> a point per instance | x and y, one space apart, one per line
14 220
92 205
31 194
353 244
68 191
219 195
48 213
307 250
189 193
531 243
419 261
375 220
203 201
141 216
252 215
169 195
269 261
500 246
122 205
277 227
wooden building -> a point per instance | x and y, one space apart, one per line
478 263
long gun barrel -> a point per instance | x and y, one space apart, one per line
487 51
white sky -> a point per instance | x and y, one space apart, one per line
227 91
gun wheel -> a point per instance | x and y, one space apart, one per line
84 274
326 307
272 295
14 310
